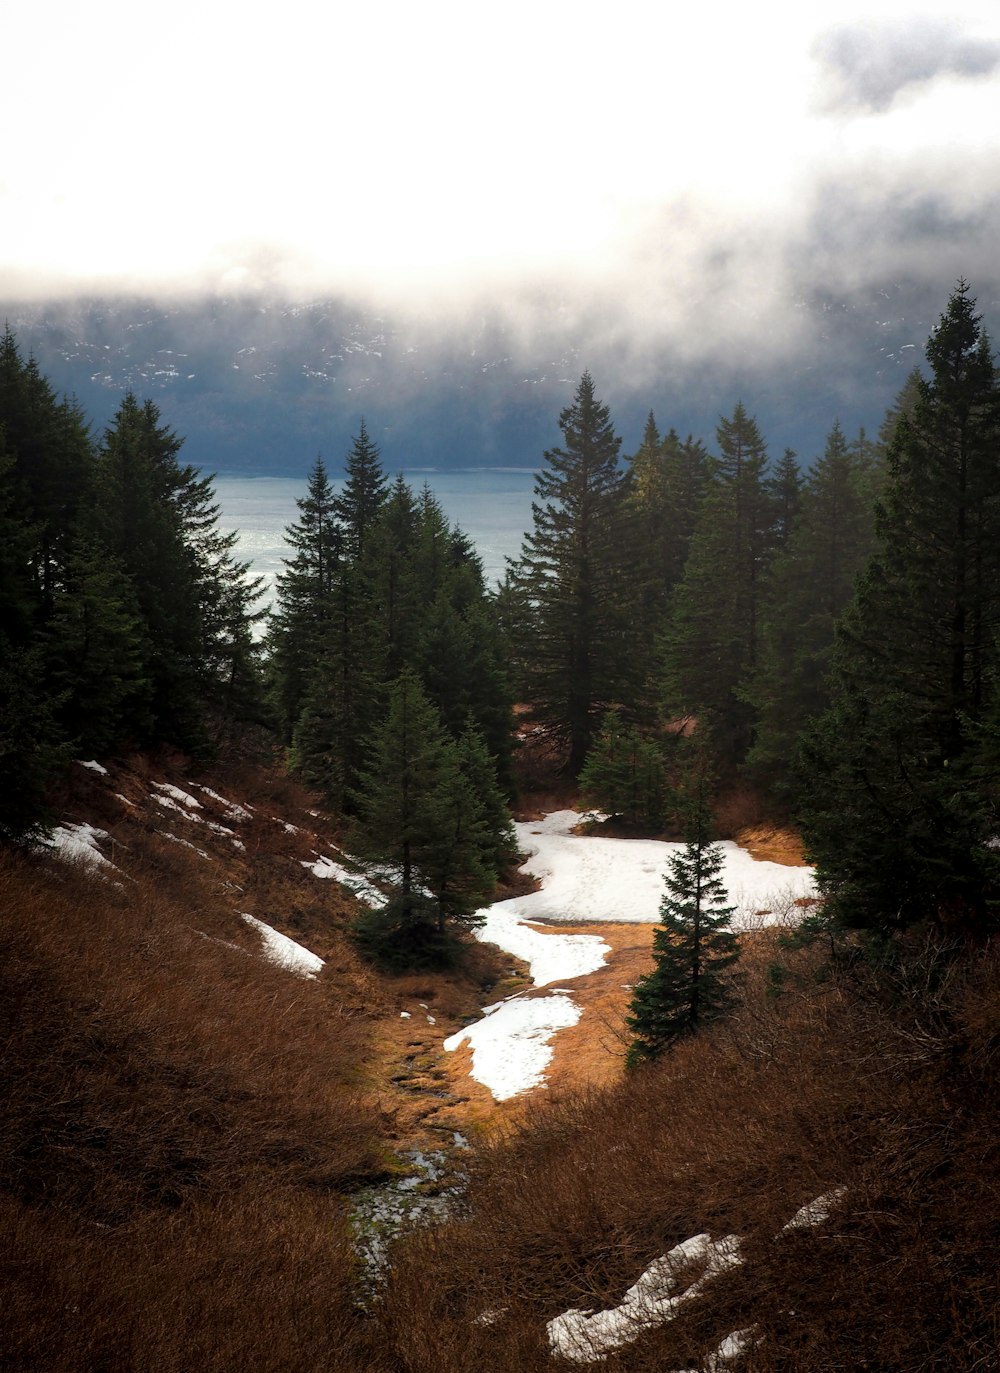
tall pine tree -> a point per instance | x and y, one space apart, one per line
574 583
897 817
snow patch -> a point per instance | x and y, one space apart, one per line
234 811
510 1046
356 882
815 1212
589 877
94 767
551 957
176 839
285 952
585 1336
79 844
176 794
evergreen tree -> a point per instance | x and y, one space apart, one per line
897 818
692 946
363 496
625 774
304 597
667 484
158 520
786 496
480 769
32 747
811 582
577 646
417 812
711 642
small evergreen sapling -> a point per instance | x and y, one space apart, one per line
692 949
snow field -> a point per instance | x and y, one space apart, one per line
585 877
510 1046
588 877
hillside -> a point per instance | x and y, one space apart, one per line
187 1123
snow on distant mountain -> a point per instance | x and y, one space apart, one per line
258 387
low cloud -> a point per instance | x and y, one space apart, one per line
866 66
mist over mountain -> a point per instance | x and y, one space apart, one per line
256 386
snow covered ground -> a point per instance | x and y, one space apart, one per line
585 877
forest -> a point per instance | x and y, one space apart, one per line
830 628
688 626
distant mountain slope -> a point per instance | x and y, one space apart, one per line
260 387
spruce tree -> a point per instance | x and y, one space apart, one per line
667 483
363 495
576 639
418 813
625 775
304 597
896 816
811 582
712 638
693 947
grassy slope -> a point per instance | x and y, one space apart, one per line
183 1122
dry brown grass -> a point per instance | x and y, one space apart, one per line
182 1122
837 1081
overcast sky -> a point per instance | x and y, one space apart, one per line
659 163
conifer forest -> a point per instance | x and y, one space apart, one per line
694 628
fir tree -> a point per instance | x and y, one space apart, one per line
811 582
897 818
418 813
712 638
692 945
576 640
304 597
625 774
363 496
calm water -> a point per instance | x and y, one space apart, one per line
492 506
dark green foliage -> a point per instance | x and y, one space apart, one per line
625 775
363 496
96 648
499 843
574 585
124 617
667 483
157 520
897 816
406 592
304 598
419 814
712 639
811 582
692 946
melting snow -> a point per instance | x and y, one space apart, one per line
510 1046
815 1212
584 1336
589 877
94 767
175 792
78 844
356 882
234 811
284 952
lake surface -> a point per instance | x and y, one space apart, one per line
491 505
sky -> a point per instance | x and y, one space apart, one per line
660 166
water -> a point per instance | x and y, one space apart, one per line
491 505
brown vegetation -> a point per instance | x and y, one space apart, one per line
847 1079
183 1126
